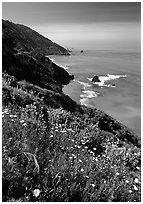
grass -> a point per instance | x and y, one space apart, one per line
55 155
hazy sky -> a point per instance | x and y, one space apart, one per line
81 25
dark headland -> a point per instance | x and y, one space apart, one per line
53 148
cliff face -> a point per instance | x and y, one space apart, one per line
29 40
24 53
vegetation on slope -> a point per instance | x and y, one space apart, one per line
52 154
21 59
27 38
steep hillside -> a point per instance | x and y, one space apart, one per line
31 41
23 56
53 148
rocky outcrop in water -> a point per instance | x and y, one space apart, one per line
96 79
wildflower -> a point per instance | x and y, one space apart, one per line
6 110
135 188
127 181
24 124
51 136
10 139
80 160
82 170
63 131
130 191
13 116
36 192
136 180
96 159
94 148
138 167
91 152
117 174
86 147
22 121
69 129
74 156
93 185
11 161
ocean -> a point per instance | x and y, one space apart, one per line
119 91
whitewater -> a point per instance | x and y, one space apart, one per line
119 91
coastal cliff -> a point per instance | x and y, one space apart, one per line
23 56
53 148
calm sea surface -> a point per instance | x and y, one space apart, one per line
118 93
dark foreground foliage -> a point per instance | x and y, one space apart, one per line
54 153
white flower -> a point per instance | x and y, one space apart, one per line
127 181
36 192
80 160
82 170
138 167
51 136
117 174
13 116
94 148
22 121
130 191
93 185
6 110
136 180
24 124
135 188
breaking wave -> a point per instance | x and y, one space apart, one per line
85 85
108 77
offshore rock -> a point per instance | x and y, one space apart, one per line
96 79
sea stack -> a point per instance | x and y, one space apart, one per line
96 79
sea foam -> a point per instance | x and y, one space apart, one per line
85 85
108 77
89 94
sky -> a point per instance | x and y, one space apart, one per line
81 25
